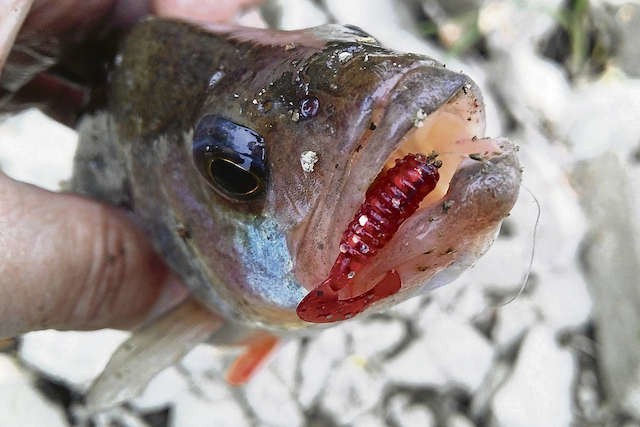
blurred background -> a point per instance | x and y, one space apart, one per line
561 79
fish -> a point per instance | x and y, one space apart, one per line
292 179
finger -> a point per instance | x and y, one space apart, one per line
12 15
70 263
77 16
197 10
66 16
50 27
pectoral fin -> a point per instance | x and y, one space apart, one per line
151 349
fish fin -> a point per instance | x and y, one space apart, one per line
149 350
246 365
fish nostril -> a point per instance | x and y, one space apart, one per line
309 107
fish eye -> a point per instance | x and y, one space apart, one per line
230 157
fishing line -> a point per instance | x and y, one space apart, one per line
534 236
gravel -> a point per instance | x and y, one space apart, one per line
22 404
538 391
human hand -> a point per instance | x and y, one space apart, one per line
68 262
72 263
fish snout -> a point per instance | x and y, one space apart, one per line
486 185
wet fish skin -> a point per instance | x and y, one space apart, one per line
238 258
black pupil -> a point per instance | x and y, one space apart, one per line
232 177
231 157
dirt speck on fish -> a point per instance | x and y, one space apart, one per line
308 159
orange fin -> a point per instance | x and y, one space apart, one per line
245 365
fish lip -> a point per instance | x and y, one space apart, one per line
484 189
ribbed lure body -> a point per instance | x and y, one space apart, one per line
392 198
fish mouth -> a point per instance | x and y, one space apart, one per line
452 226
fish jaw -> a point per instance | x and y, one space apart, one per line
454 225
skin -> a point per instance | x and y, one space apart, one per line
90 270
93 268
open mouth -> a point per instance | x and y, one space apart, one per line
400 235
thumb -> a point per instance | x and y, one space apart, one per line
72 263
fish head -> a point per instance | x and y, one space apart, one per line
248 191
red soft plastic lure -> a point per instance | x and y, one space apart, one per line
393 197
